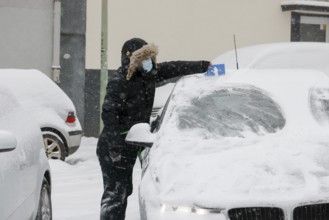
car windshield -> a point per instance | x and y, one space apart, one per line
230 112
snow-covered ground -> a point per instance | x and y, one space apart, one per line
77 185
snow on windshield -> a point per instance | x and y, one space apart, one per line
230 112
288 164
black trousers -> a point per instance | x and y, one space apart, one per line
117 162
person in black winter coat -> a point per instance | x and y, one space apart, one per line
129 100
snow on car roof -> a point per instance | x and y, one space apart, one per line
284 86
306 55
33 88
289 165
36 92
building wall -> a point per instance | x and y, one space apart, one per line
73 40
185 29
26 34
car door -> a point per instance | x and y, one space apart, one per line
18 167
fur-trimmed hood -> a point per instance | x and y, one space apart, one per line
138 56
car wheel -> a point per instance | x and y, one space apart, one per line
54 147
44 208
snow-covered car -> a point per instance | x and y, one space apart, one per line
50 106
250 145
284 55
25 179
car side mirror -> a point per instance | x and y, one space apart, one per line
8 141
140 135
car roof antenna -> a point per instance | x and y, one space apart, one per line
236 53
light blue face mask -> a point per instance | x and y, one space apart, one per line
147 65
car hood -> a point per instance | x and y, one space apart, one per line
272 168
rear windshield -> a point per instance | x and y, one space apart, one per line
231 112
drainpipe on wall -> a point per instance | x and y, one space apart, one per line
56 68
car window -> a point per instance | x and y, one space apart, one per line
232 111
319 103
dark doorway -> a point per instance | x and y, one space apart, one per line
309 28
312 32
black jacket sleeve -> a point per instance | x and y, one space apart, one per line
167 70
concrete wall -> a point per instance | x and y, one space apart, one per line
73 31
26 29
185 29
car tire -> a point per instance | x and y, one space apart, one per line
54 146
44 208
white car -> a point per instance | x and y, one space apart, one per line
250 145
50 106
287 55
25 180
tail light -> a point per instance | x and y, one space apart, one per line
70 117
